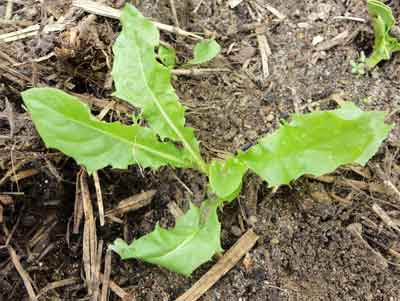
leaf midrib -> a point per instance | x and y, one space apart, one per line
165 115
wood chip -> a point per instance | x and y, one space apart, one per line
132 203
1 214
109 12
275 12
24 275
338 40
265 50
227 262
234 3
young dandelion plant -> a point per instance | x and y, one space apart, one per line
315 143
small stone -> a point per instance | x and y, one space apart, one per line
252 220
236 231
317 39
270 117
274 241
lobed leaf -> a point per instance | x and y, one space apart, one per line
181 249
205 51
66 124
317 143
226 178
384 44
145 83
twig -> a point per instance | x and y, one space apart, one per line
9 10
57 284
337 40
227 262
234 3
119 291
106 278
198 72
275 12
24 275
385 217
357 19
99 197
132 203
198 6
30 31
174 14
109 12
356 230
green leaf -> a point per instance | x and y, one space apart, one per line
181 249
384 44
167 56
205 51
66 124
145 83
317 143
226 177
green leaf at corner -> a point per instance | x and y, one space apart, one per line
226 177
205 51
167 56
66 124
317 143
384 44
182 249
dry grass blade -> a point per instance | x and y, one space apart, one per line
24 275
23 174
30 31
99 197
119 291
227 262
57 284
90 227
78 207
106 277
132 203
106 11
96 272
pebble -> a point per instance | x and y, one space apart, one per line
270 117
236 231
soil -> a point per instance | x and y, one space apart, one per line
306 249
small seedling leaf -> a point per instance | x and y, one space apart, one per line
181 249
167 56
205 51
66 124
317 143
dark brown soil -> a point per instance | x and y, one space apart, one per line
306 250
